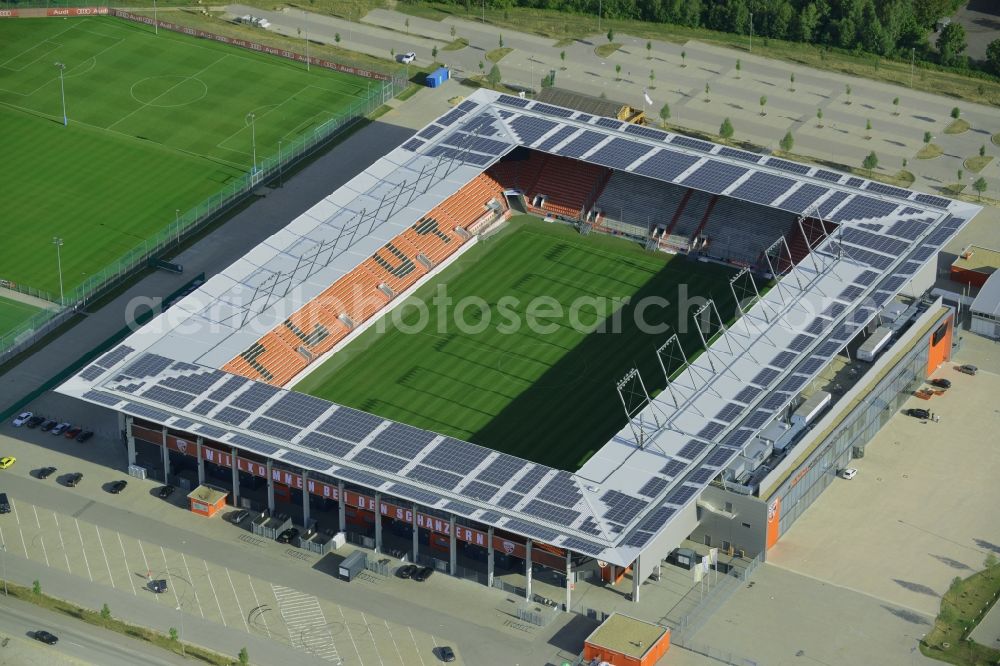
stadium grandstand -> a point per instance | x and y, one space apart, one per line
724 445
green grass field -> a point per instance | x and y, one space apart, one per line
14 313
545 396
156 124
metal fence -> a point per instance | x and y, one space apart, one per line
194 219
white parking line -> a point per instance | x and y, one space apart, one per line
83 550
374 642
41 539
237 597
18 520
215 594
257 601
193 588
128 569
394 643
416 647
308 629
149 572
62 544
349 634
166 572
106 562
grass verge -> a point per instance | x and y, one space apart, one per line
963 606
496 55
977 163
996 139
957 126
93 617
929 152
604 50
456 45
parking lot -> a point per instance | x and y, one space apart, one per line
872 556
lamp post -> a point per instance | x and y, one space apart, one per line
156 25
600 7
181 615
280 183
177 223
4 547
751 32
58 242
62 91
253 139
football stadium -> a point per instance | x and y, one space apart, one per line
535 340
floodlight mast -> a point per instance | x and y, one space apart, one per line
62 90
58 242
253 139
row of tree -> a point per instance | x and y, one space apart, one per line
880 27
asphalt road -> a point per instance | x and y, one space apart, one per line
79 643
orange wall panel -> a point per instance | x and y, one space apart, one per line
940 352
773 520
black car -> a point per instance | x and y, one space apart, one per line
85 435
159 586
918 413
49 425
117 486
445 653
941 383
45 637
423 574
288 535
46 472
237 517
407 571
166 491
4 503
74 479
35 421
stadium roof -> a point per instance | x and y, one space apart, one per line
168 371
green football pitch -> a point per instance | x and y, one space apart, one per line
156 124
14 313
545 395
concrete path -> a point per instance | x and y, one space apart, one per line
27 299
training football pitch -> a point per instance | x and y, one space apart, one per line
547 392
156 125
14 313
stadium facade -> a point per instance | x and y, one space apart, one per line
723 456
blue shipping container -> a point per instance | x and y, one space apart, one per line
437 77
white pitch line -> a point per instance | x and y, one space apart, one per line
62 544
237 597
41 538
107 563
193 589
125 558
257 601
416 648
215 594
83 549
374 642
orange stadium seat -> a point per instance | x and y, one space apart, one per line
570 186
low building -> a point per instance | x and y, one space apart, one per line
985 310
625 641
975 265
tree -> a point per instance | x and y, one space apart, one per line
664 114
763 103
868 128
36 587
819 117
904 162
956 113
172 632
407 24
649 50
961 174
392 52
927 137
847 89
787 142
434 52
895 106
336 37
684 55
452 31
739 67
244 657
951 44
562 56
105 612
618 72
500 40
982 150
870 162
481 65
652 77
611 35
993 56
791 81
991 560
726 129
494 76
708 90
979 186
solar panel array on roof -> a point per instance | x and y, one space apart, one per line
255 396
501 469
402 440
167 397
254 444
854 182
747 394
461 155
380 461
328 445
831 202
804 197
938 202
701 475
114 356
714 176
430 131
527 482
552 110
196 383
666 165
580 546
456 455
147 365
531 129
531 530
784 165
692 449
561 489
581 144
830 176
556 138
609 123
647 132
232 384
102 398
413 145
231 415
510 100
510 500
204 407
210 431
619 153
877 242
434 477
623 508
273 428
450 117
297 408
653 487
782 360
350 424
741 155
762 188
91 373
681 495
881 188
694 144
864 207
373 481
583 117
420 495
303 460
550 512
479 491
476 143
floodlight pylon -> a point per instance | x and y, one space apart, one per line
709 309
635 398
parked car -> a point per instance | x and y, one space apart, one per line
85 435
49 425
21 419
968 369
446 654
7 461
117 486
918 413
4 503
237 517
288 535
940 382
46 472
406 58
166 491
848 473
407 570
61 428
45 637
73 432
423 574
35 421
74 479
159 585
